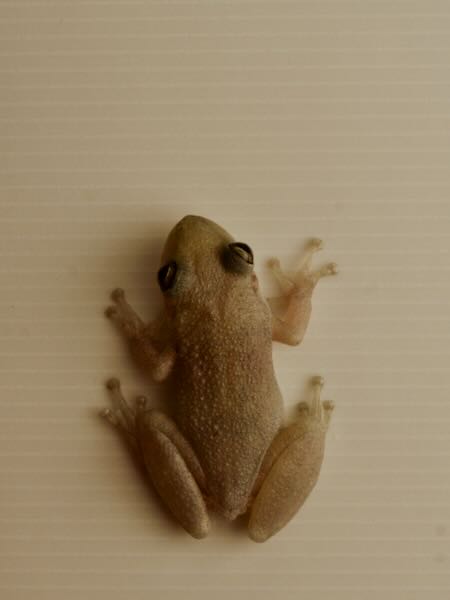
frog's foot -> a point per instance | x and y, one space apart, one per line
122 416
124 315
317 410
290 468
292 310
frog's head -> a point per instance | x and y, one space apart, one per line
201 260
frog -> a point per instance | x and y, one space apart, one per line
224 446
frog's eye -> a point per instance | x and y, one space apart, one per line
242 251
238 258
167 275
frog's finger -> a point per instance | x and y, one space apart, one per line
128 313
284 279
313 246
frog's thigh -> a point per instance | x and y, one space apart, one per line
171 464
290 469
285 488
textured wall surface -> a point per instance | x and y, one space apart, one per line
281 120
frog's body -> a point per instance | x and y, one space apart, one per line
228 412
225 445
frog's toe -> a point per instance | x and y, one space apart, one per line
111 312
303 407
328 407
273 263
118 294
331 269
259 534
113 383
317 380
142 403
109 415
315 244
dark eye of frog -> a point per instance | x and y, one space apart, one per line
167 276
242 251
237 258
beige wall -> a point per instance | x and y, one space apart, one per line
281 120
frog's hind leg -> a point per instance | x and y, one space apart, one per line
290 468
174 470
170 460
292 310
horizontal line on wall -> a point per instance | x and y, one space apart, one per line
228 588
129 573
232 554
228 169
226 186
292 50
41 3
232 152
319 66
275 15
217 68
292 118
232 84
221 136
269 104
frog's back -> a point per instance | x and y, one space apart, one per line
228 404
227 400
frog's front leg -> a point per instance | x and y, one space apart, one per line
290 468
292 310
170 460
150 351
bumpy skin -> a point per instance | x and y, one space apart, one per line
224 448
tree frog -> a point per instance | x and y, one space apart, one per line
225 447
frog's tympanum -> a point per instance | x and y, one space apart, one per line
224 448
